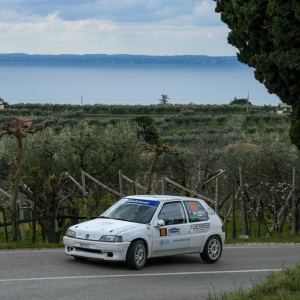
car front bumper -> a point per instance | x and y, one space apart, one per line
95 249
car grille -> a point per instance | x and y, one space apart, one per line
89 250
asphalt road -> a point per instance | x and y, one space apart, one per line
50 274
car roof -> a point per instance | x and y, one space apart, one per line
162 197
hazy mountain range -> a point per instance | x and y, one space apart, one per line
116 58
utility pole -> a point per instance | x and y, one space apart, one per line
81 101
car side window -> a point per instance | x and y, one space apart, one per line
172 213
195 211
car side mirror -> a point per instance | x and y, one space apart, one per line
159 223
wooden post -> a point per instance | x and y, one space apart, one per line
121 183
200 178
23 239
233 215
243 204
294 206
83 185
134 188
163 190
217 196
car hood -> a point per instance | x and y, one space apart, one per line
94 229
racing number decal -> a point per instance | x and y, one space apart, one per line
193 206
163 232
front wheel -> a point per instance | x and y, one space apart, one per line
136 255
212 250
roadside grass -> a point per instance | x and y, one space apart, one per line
283 238
259 234
283 285
27 244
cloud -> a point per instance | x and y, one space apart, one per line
112 10
154 27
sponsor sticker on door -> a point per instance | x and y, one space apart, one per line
174 231
200 227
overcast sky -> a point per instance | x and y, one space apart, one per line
151 27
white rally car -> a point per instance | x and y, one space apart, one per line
142 226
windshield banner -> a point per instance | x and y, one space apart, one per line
141 202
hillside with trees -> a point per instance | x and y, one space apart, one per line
239 156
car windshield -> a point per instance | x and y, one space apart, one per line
132 210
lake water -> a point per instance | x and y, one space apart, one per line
137 83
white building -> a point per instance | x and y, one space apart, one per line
1 103
284 109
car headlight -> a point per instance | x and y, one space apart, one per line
111 239
70 233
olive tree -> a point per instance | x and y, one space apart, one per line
19 134
266 163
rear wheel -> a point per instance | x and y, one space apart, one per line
136 255
212 250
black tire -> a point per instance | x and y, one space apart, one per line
212 250
136 255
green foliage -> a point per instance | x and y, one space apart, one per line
267 35
240 101
295 125
149 130
211 131
251 130
279 285
221 120
188 112
164 99
235 124
90 207
4 167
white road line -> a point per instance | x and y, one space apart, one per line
138 275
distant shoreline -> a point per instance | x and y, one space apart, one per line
117 58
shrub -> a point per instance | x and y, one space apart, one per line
251 130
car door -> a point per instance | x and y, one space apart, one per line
174 236
199 223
